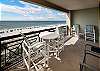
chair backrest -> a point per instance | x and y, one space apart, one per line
26 54
62 30
89 28
31 55
73 28
76 28
57 30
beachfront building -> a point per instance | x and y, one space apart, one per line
71 47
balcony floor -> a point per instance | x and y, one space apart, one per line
71 58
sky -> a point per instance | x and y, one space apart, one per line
17 10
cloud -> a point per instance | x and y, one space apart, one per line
11 18
30 12
51 16
61 14
32 5
15 9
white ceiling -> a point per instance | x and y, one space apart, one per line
76 4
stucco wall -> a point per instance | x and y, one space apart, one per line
86 17
99 26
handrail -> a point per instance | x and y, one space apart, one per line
19 35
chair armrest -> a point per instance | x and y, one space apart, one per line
89 45
93 48
95 51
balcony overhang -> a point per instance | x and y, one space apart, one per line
47 4
76 4
66 5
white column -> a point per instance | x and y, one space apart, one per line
68 21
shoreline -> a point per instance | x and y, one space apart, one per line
15 31
22 24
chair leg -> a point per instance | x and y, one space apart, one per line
63 48
81 67
85 36
94 38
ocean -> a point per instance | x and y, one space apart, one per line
19 24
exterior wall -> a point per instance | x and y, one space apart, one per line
87 17
99 34
99 30
99 25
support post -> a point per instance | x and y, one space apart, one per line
5 55
0 54
68 21
39 37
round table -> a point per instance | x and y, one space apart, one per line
47 38
50 35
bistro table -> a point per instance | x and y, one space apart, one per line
47 37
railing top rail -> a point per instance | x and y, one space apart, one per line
25 33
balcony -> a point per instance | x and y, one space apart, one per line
11 52
74 43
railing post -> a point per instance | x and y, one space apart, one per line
21 48
0 54
39 37
1 49
1 69
5 54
